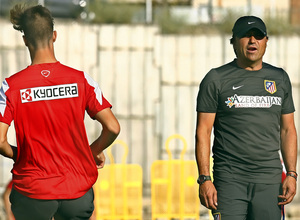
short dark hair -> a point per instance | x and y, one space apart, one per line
35 22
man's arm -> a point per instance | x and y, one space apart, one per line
207 191
288 137
110 131
5 148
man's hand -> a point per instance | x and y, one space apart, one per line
288 190
100 160
110 131
208 195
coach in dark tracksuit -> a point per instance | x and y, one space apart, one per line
249 105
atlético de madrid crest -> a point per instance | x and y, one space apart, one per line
270 86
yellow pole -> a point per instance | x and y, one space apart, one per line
113 179
170 175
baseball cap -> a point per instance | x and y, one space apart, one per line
246 23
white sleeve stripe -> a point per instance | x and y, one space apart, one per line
3 89
97 90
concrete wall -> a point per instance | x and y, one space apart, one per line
151 80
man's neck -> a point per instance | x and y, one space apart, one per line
250 66
40 56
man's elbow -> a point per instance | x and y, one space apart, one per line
114 128
3 141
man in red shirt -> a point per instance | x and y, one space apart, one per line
55 167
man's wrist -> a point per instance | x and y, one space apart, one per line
293 174
202 179
291 171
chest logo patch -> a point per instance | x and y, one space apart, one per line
45 73
243 101
270 86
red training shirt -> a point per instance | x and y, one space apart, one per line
47 103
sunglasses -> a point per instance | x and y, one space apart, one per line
254 33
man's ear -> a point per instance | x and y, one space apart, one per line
25 41
54 36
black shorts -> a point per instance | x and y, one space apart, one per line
25 208
247 201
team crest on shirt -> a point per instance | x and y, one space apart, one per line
217 216
270 86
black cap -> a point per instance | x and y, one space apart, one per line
246 23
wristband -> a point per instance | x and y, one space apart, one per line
290 171
292 175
